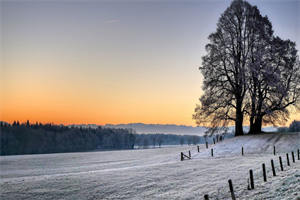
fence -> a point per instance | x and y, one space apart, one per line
188 157
251 185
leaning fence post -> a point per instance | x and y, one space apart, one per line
274 150
206 197
287 159
293 156
190 154
242 151
198 149
280 161
212 152
181 156
273 168
264 172
251 179
231 189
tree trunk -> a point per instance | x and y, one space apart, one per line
239 121
251 129
257 125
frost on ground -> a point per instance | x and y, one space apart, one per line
156 173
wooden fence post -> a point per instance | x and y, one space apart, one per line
264 172
298 154
287 159
212 152
206 197
280 161
274 150
242 151
206 144
293 156
231 189
190 154
198 149
251 179
181 156
273 168
214 140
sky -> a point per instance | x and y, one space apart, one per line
101 62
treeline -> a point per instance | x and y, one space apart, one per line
294 127
146 140
156 140
40 138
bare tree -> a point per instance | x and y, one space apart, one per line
224 68
274 83
247 73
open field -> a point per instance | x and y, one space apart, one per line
155 173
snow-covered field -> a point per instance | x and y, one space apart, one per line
156 173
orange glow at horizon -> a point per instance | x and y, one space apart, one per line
60 105
73 104
47 109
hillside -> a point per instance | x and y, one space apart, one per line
258 144
155 173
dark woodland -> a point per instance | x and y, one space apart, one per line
38 138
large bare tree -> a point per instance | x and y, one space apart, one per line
247 72
274 83
224 68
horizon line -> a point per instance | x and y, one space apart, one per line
107 124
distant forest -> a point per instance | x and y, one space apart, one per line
29 138
38 138
294 127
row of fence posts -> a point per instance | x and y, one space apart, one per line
251 177
218 139
182 155
274 150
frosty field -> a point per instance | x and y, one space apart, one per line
156 173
